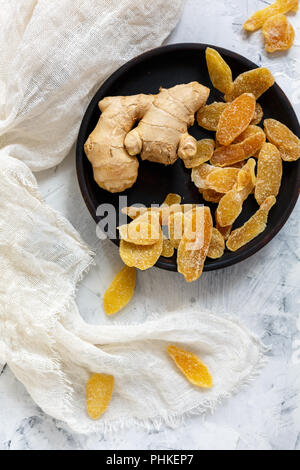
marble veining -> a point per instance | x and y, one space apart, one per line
262 291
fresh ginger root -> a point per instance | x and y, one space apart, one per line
161 135
114 169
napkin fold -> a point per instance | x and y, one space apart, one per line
56 55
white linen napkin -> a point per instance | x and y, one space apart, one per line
56 55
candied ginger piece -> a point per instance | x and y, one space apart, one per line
252 228
279 34
199 175
163 211
210 195
219 71
269 173
224 231
205 149
99 390
190 365
171 199
140 256
217 245
120 291
167 249
227 156
144 230
231 204
245 146
208 116
243 179
283 138
236 118
166 211
134 211
258 115
258 19
176 228
250 167
194 245
255 81
222 179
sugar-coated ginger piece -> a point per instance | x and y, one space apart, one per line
258 115
190 365
224 231
231 204
235 118
176 224
238 164
144 230
243 179
256 81
279 34
227 156
217 245
167 249
219 71
114 169
258 19
161 135
140 256
163 211
250 168
99 391
230 207
172 198
174 208
210 195
283 138
245 146
205 150
222 179
269 173
252 228
194 245
199 175
208 116
176 228
135 211
120 291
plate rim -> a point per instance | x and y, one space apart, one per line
217 264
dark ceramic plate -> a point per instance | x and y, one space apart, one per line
168 66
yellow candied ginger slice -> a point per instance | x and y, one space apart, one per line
219 71
252 228
99 391
141 256
217 245
120 291
256 81
258 19
269 173
190 365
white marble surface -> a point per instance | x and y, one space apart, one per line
263 291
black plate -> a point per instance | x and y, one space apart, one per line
168 66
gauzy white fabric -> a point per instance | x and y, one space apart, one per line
55 55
